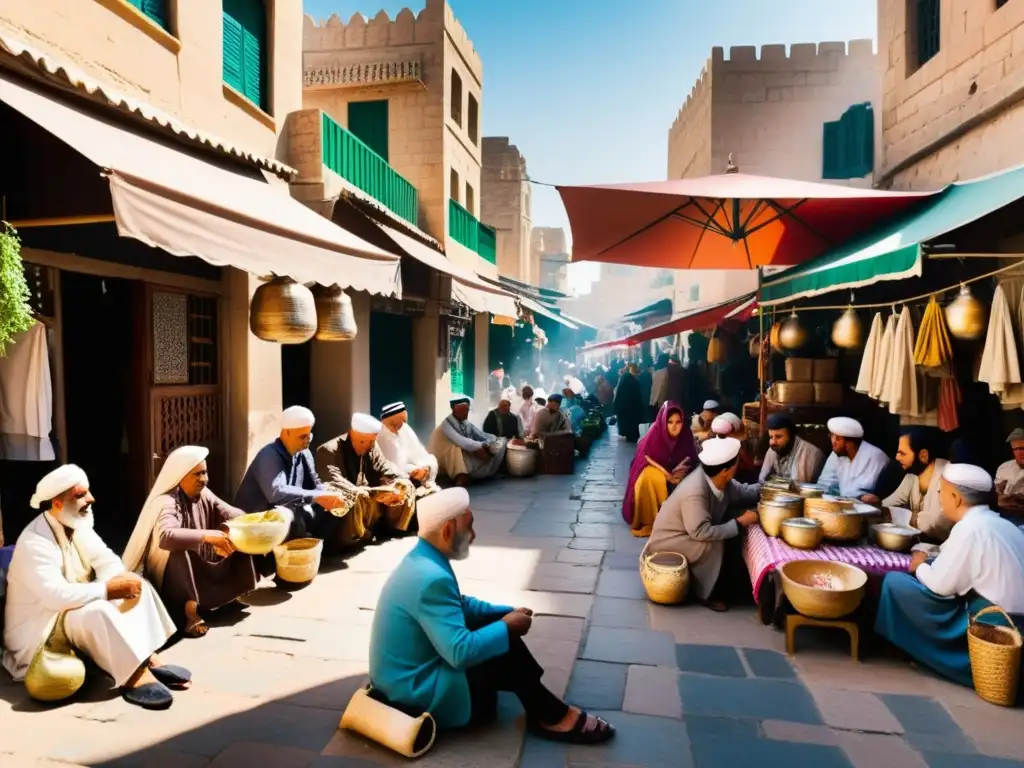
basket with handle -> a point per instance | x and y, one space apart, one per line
665 575
995 657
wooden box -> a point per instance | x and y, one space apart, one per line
828 393
799 369
826 370
558 455
794 392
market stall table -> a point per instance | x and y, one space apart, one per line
763 554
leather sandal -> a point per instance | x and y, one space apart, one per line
149 696
173 676
577 735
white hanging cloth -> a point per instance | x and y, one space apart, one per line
1000 366
870 359
879 379
901 391
26 398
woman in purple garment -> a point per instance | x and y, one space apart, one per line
664 456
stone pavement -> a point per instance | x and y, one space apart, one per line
684 686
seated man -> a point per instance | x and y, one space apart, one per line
61 568
701 426
854 466
282 474
916 501
354 465
464 451
731 425
180 546
502 422
789 455
400 445
433 649
696 521
552 420
926 611
1010 479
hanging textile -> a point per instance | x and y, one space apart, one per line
26 398
901 392
880 376
1000 367
949 404
869 362
933 346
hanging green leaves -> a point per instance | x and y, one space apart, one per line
15 311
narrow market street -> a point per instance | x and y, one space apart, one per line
684 686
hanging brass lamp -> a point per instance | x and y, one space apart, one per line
966 316
283 311
848 331
792 334
335 318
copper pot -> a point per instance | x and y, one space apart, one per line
335 319
848 331
283 311
966 316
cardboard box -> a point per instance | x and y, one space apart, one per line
799 369
826 370
828 393
794 392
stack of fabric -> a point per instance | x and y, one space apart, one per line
1000 363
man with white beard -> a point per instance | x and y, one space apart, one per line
434 650
62 573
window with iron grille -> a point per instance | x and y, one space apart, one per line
928 31
202 340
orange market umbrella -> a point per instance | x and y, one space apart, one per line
730 221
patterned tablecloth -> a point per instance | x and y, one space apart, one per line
763 554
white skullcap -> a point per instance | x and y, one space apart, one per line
968 476
54 484
459 400
297 417
844 426
714 453
435 510
711 405
721 425
365 424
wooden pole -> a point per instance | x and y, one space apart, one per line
762 397
63 221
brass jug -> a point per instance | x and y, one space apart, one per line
966 316
283 311
335 319
792 335
848 331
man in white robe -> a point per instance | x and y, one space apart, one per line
464 451
1010 478
61 566
400 445
916 501
854 466
789 455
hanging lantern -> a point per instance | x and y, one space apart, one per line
754 346
773 337
714 349
283 311
792 335
335 320
848 331
966 316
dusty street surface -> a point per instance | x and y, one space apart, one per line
684 686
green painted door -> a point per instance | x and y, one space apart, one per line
391 374
469 360
368 122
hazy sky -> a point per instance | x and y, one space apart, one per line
587 89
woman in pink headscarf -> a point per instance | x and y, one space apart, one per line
664 456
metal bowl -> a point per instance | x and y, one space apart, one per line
521 461
811 490
258 533
802 532
836 517
895 538
771 512
823 589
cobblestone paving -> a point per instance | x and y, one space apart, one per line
685 687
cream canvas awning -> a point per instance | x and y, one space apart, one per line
172 200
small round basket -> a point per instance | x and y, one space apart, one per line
298 561
666 577
995 658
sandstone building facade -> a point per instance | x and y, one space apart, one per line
505 205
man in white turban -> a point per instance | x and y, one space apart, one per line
62 577
699 517
926 612
283 474
180 544
854 466
381 500
400 445
464 451
436 650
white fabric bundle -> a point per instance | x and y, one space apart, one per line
879 377
902 395
1000 367
870 360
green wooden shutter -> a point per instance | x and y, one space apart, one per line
368 122
233 53
831 152
252 68
245 49
156 10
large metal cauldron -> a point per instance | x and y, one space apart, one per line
521 461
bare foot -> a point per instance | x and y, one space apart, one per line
156 661
194 624
568 722
142 676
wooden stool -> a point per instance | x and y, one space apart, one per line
795 620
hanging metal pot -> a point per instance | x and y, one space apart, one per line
966 316
283 311
773 337
848 331
754 345
792 335
335 318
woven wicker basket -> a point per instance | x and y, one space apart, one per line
298 560
995 658
666 577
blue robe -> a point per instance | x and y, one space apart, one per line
277 479
426 635
931 628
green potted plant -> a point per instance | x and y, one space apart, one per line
15 310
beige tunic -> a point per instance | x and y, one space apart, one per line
803 464
1012 474
925 509
694 522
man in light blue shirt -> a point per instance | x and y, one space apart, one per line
854 466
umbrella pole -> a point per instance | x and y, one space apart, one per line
762 402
